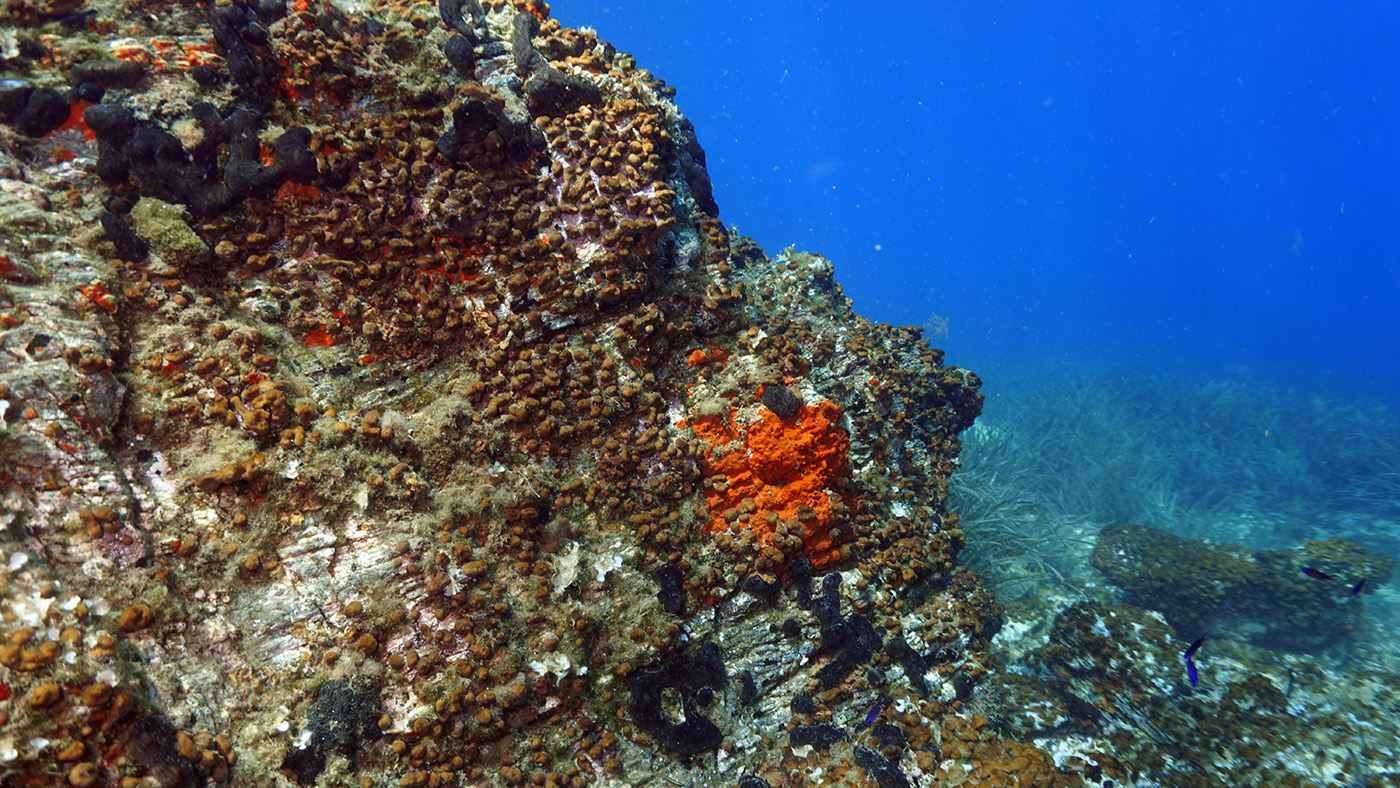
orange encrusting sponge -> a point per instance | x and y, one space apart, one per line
783 465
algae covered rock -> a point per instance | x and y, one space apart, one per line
1110 694
444 436
164 228
1296 600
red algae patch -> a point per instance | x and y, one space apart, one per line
779 477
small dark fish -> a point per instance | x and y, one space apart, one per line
1191 669
874 713
1356 589
1191 651
1316 574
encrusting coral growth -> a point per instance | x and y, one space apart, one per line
383 403
1266 591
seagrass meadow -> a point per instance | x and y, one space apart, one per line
384 403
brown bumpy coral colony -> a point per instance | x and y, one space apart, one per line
394 409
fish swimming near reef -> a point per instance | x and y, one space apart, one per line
1318 574
1191 649
1189 655
874 712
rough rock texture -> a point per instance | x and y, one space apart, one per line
372 416
1267 596
383 403
1108 693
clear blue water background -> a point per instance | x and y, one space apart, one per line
1188 187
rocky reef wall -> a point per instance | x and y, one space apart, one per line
383 402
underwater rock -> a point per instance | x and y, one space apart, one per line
1110 685
341 391
164 229
1264 596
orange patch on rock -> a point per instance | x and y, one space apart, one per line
75 121
699 358
782 464
319 337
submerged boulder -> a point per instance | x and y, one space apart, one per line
1296 600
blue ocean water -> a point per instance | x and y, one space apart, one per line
1197 186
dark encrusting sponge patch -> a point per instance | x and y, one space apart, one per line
342 720
688 674
854 639
820 737
202 179
886 774
781 400
669 592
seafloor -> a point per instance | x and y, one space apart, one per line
384 403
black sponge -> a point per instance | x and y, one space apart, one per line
688 675
781 400
45 111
